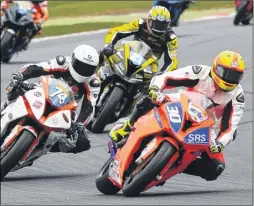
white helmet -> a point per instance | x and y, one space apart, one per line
84 60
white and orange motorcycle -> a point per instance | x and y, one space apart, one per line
32 124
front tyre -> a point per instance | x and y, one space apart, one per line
15 152
134 185
108 110
103 184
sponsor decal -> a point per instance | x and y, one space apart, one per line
37 104
157 116
234 64
199 136
37 94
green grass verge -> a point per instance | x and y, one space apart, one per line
82 27
88 8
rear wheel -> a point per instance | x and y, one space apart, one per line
16 151
108 110
135 184
103 184
6 44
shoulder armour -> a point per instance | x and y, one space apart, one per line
240 97
196 69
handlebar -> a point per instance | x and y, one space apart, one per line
23 86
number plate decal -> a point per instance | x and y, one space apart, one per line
175 116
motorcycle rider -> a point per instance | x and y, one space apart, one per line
78 70
154 30
172 3
220 83
40 14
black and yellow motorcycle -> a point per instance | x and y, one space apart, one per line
125 77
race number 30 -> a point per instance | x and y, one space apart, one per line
174 115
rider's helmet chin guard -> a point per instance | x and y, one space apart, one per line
158 21
227 70
84 61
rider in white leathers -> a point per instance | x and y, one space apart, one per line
78 71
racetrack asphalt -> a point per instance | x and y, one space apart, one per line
70 179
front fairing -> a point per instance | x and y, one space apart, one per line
137 68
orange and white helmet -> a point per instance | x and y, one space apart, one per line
227 70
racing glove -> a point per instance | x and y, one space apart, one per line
216 147
13 88
108 50
17 78
157 97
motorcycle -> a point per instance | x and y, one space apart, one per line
163 143
124 77
16 29
176 8
244 12
32 124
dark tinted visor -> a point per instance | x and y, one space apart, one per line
229 75
159 26
82 68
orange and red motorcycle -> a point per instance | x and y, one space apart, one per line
164 142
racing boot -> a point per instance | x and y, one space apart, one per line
120 135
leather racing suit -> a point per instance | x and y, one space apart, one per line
197 78
59 68
166 44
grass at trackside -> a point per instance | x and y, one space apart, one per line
88 8
82 27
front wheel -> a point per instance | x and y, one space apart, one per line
135 184
15 152
6 45
103 184
108 110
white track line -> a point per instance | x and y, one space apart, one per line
105 30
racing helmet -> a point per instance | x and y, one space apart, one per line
227 70
158 20
84 61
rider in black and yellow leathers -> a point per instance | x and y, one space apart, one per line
155 31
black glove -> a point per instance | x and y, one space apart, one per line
13 88
17 79
108 50
76 129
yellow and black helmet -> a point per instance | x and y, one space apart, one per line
158 20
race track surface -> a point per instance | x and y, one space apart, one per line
70 179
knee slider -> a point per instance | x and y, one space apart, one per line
215 172
220 168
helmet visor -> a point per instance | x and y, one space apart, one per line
229 75
82 68
159 27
